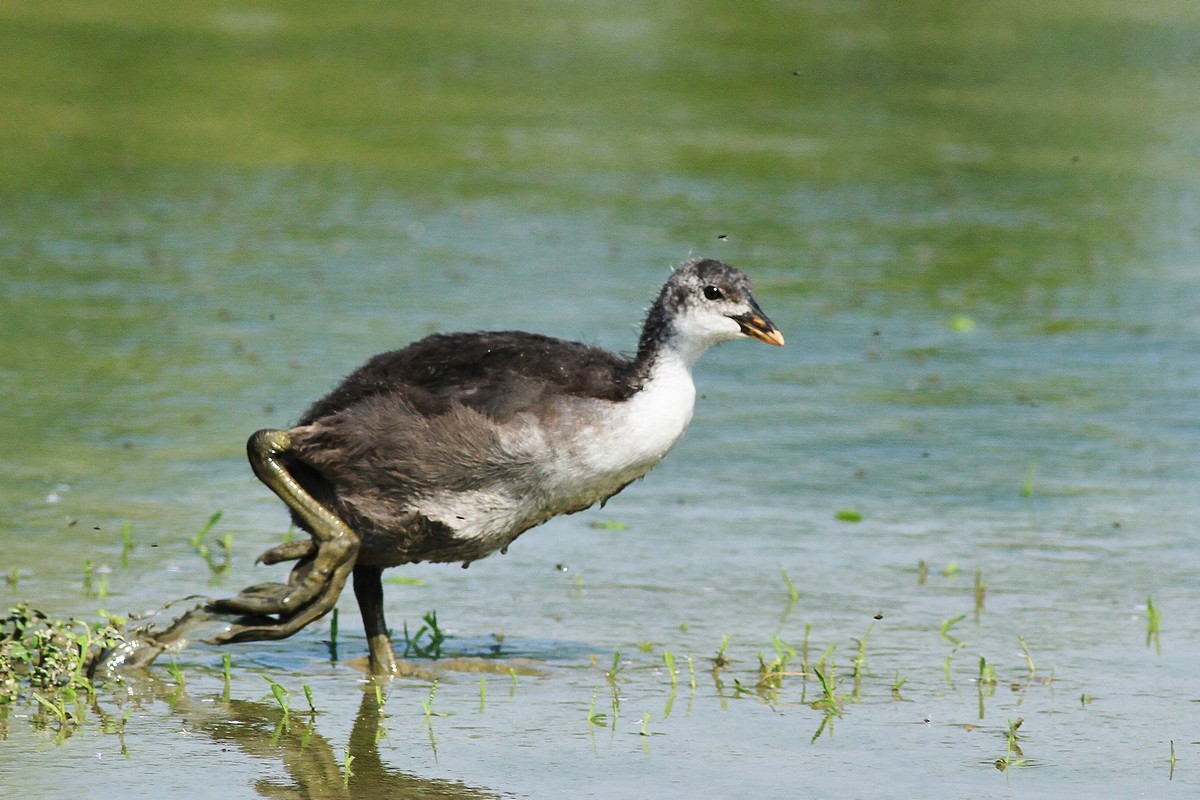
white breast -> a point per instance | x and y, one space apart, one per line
585 453
626 439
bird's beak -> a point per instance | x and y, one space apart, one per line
755 323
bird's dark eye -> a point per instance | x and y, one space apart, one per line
713 293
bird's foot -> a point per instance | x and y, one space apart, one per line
278 610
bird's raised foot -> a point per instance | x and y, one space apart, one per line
295 550
274 598
262 598
311 592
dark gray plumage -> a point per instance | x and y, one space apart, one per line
427 418
450 448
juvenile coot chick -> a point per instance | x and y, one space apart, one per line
450 448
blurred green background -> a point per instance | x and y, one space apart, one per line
1072 125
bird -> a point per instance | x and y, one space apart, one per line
448 449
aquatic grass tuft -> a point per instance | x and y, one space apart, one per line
1153 621
48 662
771 673
950 623
830 700
281 696
198 540
830 703
433 648
720 660
783 650
793 592
427 703
980 591
594 717
809 669
217 569
987 673
308 698
1013 757
615 670
669 661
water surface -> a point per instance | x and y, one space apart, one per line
975 225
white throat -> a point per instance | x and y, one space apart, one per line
693 332
656 417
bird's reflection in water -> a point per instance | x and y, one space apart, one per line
313 764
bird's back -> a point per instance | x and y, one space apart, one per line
495 373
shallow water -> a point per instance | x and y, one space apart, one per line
976 227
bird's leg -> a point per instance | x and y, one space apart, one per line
368 588
324 564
